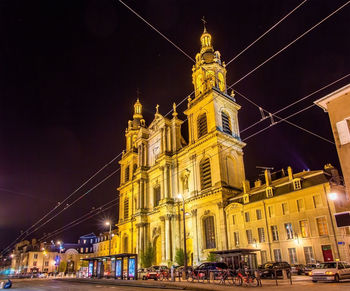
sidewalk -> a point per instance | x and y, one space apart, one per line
266 284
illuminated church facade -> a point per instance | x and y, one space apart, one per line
208 173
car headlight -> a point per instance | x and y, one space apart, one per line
329 273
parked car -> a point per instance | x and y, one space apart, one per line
309 267
142 272
210 267
269 269
154 272
298 269
331 271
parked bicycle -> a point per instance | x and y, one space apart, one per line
246 278
224 277
164 275
198 275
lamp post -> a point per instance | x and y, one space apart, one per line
184 230
110 237
59 250
332 196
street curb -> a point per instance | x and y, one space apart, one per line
120 283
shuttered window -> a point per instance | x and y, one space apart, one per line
202 125
156 195
126 208
209 232
226 125
205 174
127 174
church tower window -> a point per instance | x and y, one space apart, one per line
126 208
202 125
205 174
156 195
226 125
209 232
127 174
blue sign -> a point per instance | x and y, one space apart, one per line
118 268
91 269
131 267
341 243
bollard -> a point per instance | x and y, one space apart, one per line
184 275
211 277
172 274
284 273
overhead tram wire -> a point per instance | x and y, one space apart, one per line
285 119
91 212
288 45
297 101
267 31
155 29
65 208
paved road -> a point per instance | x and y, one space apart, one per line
47 284
43 285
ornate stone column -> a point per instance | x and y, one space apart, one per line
162 184
167 237
195 237
162 219
222 226
166 181
142 194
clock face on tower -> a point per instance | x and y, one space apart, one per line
221 81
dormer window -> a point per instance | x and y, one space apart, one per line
269 192
297 184
246 198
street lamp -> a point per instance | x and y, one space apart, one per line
184 222
333 196
110 236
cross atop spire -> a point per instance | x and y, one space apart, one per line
204 23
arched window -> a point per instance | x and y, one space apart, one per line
127 174
125 243
202 125
209 232
226 124
156 195
126 208
205 173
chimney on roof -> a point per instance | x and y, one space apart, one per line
267 177
290 173
246 186
257 183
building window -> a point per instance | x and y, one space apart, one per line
202 125
246 216
300 205
156 195
226 124
126 208
297 184
309 257
263 257
34 264
261 233
205 174
269 192
81 250
233 219
317 201
84 241
127 174
289 230
209 232
258 214
35 256
304 228
271 211
322 226
126 247
285 209
236 238
86 250
46 263
292 255
274 232
277 255
249 236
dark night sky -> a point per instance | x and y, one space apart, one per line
69 71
